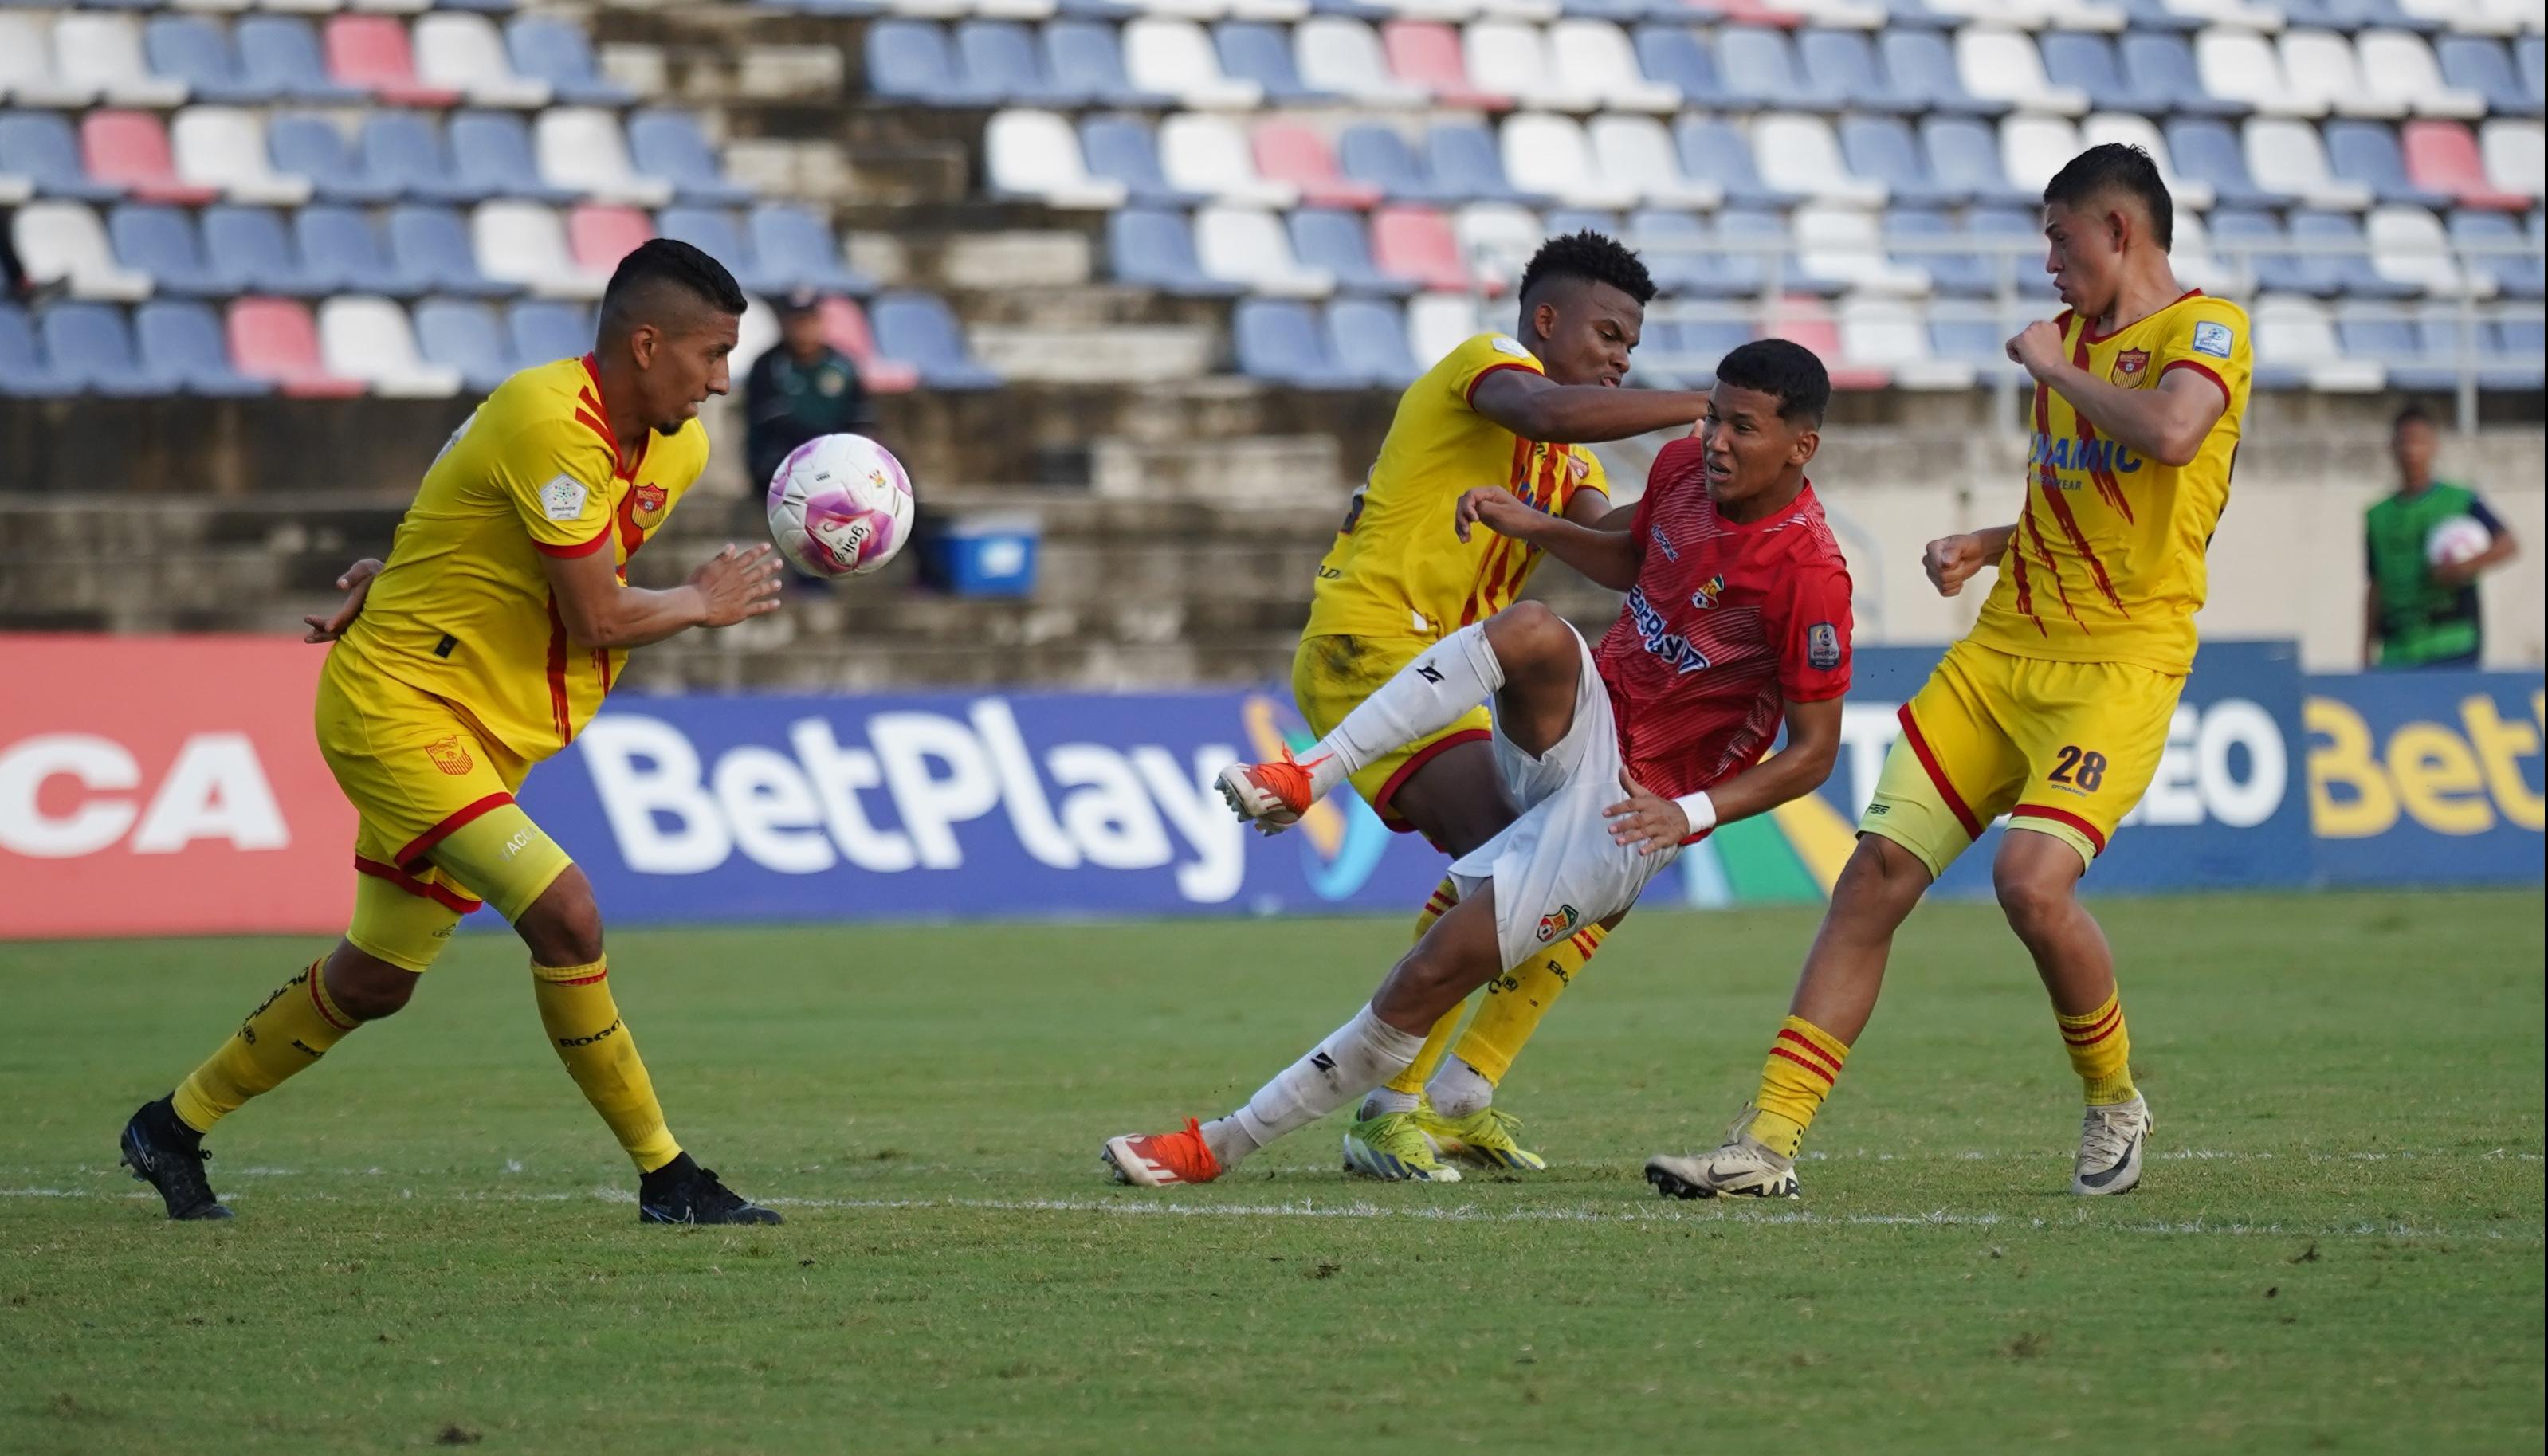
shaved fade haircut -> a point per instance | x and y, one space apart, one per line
666 283
1587 257
1786 372
2116 167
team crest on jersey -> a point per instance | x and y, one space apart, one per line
1704 598
1558 921
2130 364
649 499
448 756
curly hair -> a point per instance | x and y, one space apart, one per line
1592 258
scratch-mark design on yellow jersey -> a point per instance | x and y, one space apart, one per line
1396 569
2107 563
462 610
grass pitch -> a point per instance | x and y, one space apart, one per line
2338 1247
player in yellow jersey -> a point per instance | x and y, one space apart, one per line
2054 709
1509 411
486 642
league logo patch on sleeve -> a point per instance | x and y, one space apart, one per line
2211 339
562 498
1822 647
1503 345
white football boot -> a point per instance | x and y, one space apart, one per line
2111 1140
1742 1167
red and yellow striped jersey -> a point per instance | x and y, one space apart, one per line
462 610
2107 565
1398 569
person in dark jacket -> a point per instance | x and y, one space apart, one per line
801 390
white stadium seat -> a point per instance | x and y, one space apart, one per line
223 148
1893 335
1438 322
2236 14
1548 154
2325 72
1036 155
2296 333
26 75
2194 262
462 53
1247 246
1843 15
368 338
524 242
581 148
1334 53
2083 15
103 54
2004 65
2400 68
64 243
1176 58
1639 152
1511 60
2290 156
2408 245
2243 66
2515 154
1593 57
1799 153
1845 244
1209 154
2141 132
1496 239
2474 15
2033 148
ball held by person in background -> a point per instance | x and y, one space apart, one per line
2455 539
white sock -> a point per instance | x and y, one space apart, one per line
1428 694
1386 1100
1460 1090
1356 1057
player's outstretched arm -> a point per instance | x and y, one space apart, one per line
1651 822
1536 408
2166 424
1608 558
601 610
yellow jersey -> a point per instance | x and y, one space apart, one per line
463 611
2107 561
1398 569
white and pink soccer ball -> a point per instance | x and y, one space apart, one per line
840 507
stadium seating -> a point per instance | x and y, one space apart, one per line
922 330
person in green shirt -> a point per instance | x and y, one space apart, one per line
2416 612
801 390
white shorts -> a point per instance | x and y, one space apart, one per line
1556 869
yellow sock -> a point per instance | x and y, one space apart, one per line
1420 1071
584 1026
293 1029
1516 1000
1805 1061
2101 1051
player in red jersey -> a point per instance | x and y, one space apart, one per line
1737 618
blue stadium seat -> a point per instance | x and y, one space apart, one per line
24 374
1760 74
1705 342
2516 276
1678 56
2163 66
2153 15
1083 56
250 245
1563 222
432 243
465 336
1963 155
1954 274
403 151
1883 149
1923 66
1279 339
2530 58
669 144
2353 272
160 240
89 349
490 150
1154 247
1464 159
2012 225
280 53
2480 65
1915 14
2517 346
194 50
340 247
183 346
2356 14
556 52
1122 150
1713 151
307 144
1002 59
909 62
1251 50
919 329
2398 346
545 332
796 245
1617 11
2367 152
39 147
1336 240
2207 151
1969 339
1367 339
1675 248
2246 237
2089 62
1376 154
1844 63
714 231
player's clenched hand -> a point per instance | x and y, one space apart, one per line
356 584
1642 819
2036 348
1495 507
1951 561
736 583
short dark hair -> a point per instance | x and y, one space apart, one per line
1785 371
662 267
1592 257
2116 167
2413 415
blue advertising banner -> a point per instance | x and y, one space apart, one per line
2426 778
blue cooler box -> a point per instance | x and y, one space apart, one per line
982 555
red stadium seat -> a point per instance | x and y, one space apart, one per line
845 327
1809 322
1426 54
1417 244
130 149
274 339
2442 157
1744 12
600 237
1288 151
372 51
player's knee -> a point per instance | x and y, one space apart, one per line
1528 634
365 986
1881 881
563 927
2032 901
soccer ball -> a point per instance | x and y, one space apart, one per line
839 506
2455 539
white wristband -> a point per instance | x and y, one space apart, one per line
1700 810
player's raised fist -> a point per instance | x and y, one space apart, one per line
737 583
1951 561
2036 348
356 584
1495 507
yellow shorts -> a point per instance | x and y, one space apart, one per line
2063 748
435 795
1331 676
